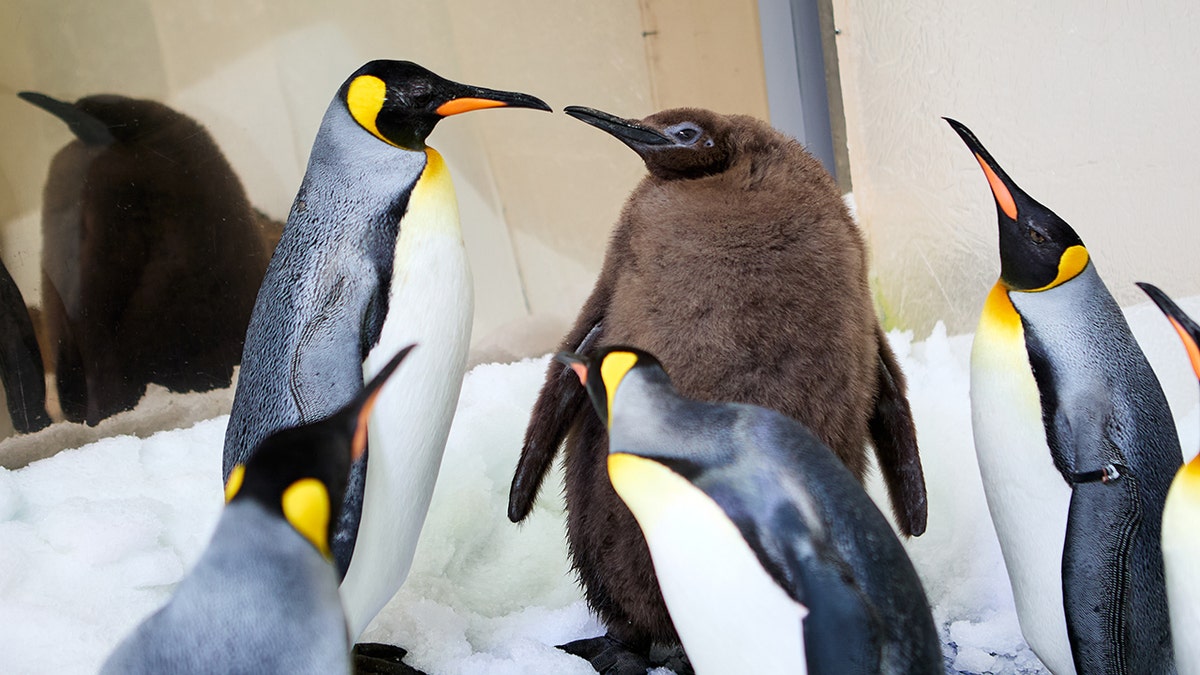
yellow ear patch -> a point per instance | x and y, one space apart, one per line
306 507
364 99
612 371
1070 264
235 482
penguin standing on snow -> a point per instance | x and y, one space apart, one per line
151 255
1076 447
1181 515
770 555
263 597
737 246
371 257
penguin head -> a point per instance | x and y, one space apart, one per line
300 473
400 102
675 144
604 371
1038 250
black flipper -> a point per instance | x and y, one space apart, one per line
895 439
85 127
20 360
1102 526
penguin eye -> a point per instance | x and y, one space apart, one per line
686 133
1036 236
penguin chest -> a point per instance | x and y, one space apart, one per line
1026 495
1181 557
430 303
731 615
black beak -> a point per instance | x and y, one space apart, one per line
467 98
632 133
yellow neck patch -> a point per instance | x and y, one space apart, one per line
306 507
612 371
645 486
999 315
1070 264
364 98
235 482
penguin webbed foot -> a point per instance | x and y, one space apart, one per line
610 656
377 658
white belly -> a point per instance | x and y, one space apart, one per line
1027 497
431 304
1181 557
732 617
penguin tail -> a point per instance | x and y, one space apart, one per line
895 439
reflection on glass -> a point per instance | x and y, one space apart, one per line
151 259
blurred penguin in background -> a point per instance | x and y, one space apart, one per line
151 256
737 264
21 367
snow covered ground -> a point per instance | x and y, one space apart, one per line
93 539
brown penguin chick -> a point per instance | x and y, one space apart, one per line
736 262
151 255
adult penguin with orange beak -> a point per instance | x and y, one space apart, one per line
371 259
1076 447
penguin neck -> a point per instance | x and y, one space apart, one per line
347 156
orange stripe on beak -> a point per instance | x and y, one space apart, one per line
1189 345
462 105
581 371
360 429
1003 196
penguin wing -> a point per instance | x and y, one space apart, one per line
842 633
895 439
560 402
326 366
20 360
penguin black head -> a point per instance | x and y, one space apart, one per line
675 144
300 473
1038 250
400 102
602 372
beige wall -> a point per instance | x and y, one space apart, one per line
1090 107
538 193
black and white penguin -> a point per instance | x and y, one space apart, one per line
371 257
151 255
21 369
770 555
1181 515
1076 447
263 597
737 246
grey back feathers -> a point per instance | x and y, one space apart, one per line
330 270
261 599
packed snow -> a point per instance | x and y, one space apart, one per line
93 539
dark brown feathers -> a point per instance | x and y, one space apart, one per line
737 264
151 256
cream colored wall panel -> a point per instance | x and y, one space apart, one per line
1089 107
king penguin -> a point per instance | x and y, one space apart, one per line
263 597
770 555
371 257
1181 514
738 246
151 255
1076 447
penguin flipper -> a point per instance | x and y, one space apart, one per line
21 366
895 439
326 369
561 401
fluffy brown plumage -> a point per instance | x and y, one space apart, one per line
735 262
152 255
